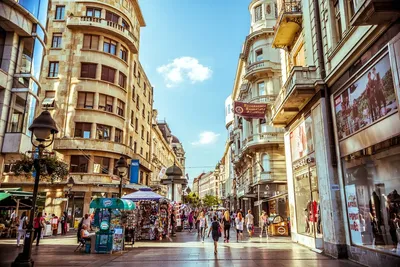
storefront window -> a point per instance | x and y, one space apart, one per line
372 200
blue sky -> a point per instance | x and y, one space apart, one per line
189 50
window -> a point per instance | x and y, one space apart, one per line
101 165
106 102
148 138
134 147
144 88
88 70
132 117
148 117
137 102
261 88
91 41
103 132
141 176
123 53
82 129
130 141
79 163
48 100
138 79
60 12
137 125
259 55
56 41
141 151
134 68
338 21
125 24
263 126
258 13
110 46
112 17
133 93
350 9
122 80
120 107
53 69
85 100
119 135
17 114
142 133
93 12
107 74
144 111
147 157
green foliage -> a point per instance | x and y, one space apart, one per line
210 201
193 199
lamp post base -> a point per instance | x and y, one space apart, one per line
21 261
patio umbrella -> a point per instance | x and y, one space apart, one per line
143 194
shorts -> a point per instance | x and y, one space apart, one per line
249 227
239 231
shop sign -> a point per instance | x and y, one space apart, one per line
240 193
104 225
366 100
302 162
250 110
134 171
353 214
301 140
107 203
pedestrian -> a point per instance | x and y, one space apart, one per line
38 225
190 220
220 216
88 221
54 224
264 224
250 223
22 224
239 226
195 215
64 219
202 225
227 225
215 230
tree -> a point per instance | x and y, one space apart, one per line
210 200
192 199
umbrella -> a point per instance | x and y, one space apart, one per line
221 208
143 194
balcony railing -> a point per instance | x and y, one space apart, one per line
289 6
263 99
80 21
262 138
260 66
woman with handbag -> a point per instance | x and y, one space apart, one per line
215 229
21 224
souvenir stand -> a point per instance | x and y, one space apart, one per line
110 220
152 215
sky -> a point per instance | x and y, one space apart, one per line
189 50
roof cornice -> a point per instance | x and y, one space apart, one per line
139 13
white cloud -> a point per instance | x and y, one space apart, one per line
183 68
206 138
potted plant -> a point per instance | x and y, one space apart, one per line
24 165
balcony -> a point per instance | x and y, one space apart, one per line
374 12
288 23
261 69
93 145
262 139
299 88
268 99
105 26
16 143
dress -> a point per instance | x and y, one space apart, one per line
214 230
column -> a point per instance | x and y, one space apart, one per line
111 167
112 135
93 131
98 70
96 100
86 201
115 103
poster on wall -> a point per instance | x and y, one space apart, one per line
301 139
394 54
353 214
368 99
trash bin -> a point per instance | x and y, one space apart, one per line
104 242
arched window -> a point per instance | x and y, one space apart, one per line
265 159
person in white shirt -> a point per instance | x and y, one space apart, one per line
239 226
250 223
22 224
87 220
202 225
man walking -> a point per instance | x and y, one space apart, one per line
250 223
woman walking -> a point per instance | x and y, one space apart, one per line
215 229
38 225
239 226
227 226
190 220
22 224
202 225
264 224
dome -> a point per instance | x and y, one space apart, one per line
175 139
174 171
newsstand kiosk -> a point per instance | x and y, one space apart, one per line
108 218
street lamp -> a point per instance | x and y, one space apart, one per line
122 168
43 128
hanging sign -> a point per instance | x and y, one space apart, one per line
250 110
134 171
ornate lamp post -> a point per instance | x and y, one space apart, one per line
43 128
122 168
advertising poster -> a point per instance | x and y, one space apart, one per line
353 214
301 140
368 99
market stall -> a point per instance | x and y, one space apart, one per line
152 215
110 218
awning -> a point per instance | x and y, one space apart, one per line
143 194
112 203
4 196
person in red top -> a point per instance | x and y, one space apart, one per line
37 226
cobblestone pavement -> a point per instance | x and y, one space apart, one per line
184 250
